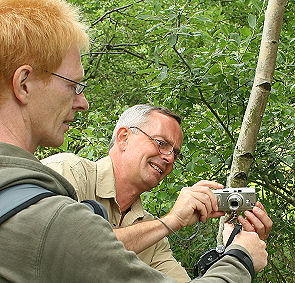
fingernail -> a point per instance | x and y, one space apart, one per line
247 213
241 219
256 209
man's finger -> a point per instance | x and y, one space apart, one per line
210 184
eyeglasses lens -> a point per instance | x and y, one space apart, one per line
165 148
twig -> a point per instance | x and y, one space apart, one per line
105 52
285 259
277 272
140 56
112 11
183 60
269 186
216 115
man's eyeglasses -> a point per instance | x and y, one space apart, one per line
79 86
164 147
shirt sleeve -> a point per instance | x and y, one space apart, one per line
228 269
164 261
81 173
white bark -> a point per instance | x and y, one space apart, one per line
244 150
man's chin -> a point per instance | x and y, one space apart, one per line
152 184
53 142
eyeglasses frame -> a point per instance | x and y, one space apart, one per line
176 152
67 79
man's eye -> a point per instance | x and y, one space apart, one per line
160 142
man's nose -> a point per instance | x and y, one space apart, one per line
168 157
80 103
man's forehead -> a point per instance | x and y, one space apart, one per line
165 126
156 116
71 65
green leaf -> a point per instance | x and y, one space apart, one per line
163 74
191 146
153 75
224 30
252 21
154 27
156 54
146 71
289 159
245 31
203 19
215 160
148 17
235 36
156 6
172 39
190 166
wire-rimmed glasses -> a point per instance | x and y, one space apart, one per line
79 86
165 147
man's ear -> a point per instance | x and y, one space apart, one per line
21 81
122 138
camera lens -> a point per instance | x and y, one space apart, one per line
235 201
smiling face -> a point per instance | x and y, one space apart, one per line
53 105
145 164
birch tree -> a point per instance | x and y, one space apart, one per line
244 150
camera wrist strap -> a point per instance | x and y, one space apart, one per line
213 255
236 230
240 255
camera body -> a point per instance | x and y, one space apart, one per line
235 199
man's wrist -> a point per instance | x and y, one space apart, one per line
173 221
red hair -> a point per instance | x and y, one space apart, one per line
37 33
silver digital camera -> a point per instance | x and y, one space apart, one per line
235 199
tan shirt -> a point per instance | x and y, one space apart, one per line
95 180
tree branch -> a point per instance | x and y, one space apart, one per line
270 187
216 115
183 60
112 11
139 56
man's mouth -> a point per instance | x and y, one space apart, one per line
156 167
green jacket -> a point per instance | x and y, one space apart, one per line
61 240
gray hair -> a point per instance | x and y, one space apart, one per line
137 116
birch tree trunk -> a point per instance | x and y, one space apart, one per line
244 151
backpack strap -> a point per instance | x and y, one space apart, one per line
97 208
18 197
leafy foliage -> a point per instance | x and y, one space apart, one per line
197 58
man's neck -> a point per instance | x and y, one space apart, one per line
13 128
126 192
10 135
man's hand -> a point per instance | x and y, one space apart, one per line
193 203
257 221
251 242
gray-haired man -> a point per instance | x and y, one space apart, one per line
144 147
